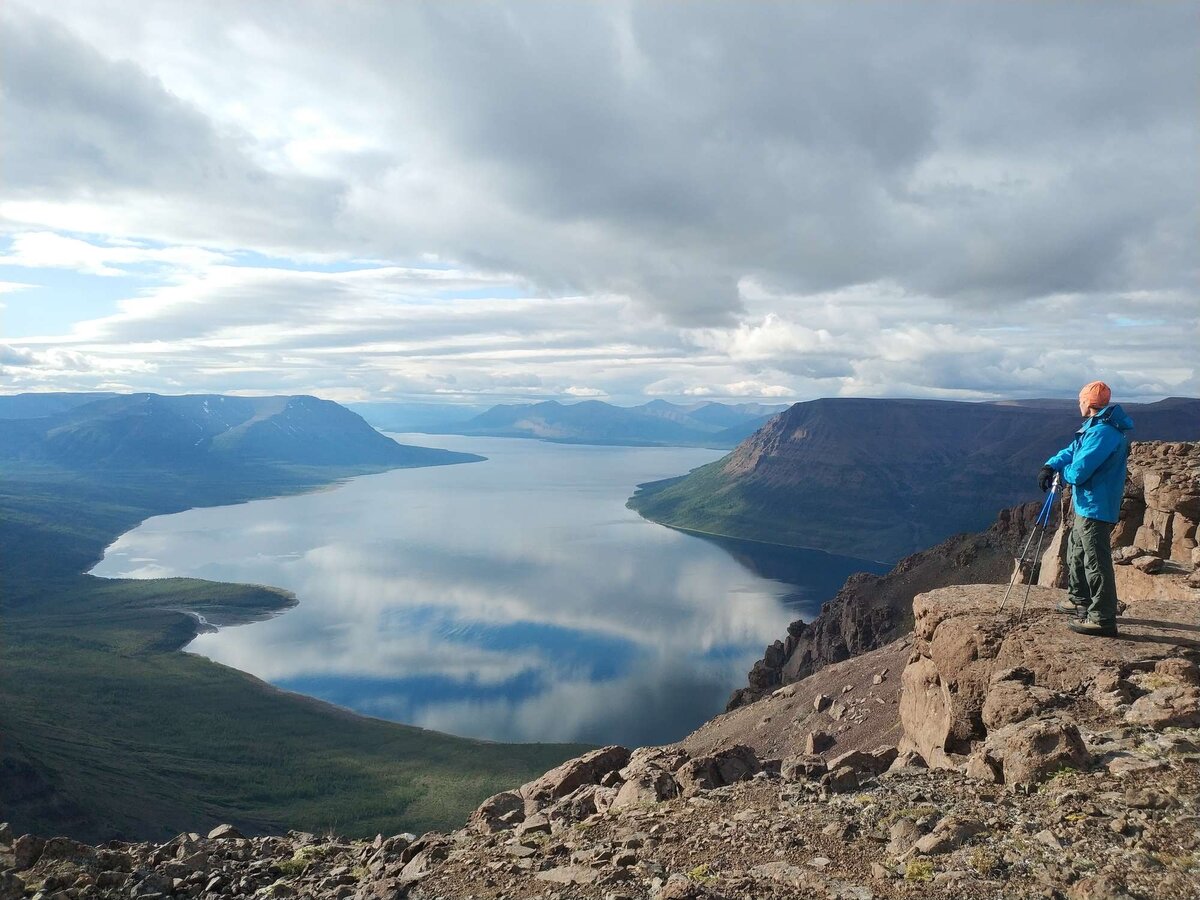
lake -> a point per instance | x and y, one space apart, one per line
515 599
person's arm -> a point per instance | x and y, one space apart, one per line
1062 458
1097 445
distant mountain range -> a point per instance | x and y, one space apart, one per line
658 423
197 433
884 478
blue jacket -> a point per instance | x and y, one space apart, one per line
1094 464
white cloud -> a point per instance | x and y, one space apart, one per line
42 249
629 199
576 391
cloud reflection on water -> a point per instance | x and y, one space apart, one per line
515 599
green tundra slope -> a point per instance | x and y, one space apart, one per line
108 731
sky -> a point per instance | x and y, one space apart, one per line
473 202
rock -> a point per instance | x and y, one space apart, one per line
903 834
874 763
1151 565
1012 701
803 768
565 778
1182 670
6 834
840 780
498 812
818 741
821 702
649 778
11 887
1171 706
535 824
26 851
1030 751
225 832
569 875
947 835
716 770
1122 764
1097 887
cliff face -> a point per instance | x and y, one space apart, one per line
1155 547
873 610
880 479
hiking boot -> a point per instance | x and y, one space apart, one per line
1093 628
1071 607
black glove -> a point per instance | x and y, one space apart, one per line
1045 478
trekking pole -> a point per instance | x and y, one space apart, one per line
1042 519
1044 522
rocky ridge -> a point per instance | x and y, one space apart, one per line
1154 547
1027 762
991 753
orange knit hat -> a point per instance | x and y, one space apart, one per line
1097 394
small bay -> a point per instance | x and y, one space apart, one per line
514 599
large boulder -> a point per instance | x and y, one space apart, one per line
498 812
574 773
1028 752
717 770
978 674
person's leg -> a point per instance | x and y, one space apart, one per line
1101 579
1078 592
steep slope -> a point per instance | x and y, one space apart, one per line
208 431
657 423
34 406
882 478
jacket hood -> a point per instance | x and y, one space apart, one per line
1115 416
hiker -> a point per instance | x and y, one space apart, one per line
1094 465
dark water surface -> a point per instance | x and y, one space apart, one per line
513 599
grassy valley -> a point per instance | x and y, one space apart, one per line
109 731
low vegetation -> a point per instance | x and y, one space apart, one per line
111 732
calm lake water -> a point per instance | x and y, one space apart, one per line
514 599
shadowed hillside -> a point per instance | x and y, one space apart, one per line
883 478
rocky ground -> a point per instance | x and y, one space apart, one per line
1062 767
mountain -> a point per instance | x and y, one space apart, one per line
34 406
657 423
204 432
883 478
108 730
426 417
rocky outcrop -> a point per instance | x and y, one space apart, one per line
873 610
1155 549
1003 695
1155 543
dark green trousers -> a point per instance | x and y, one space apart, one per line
1091 581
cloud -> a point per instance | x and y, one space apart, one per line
657 151
49 250
960 200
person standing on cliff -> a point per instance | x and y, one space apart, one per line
1094 464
